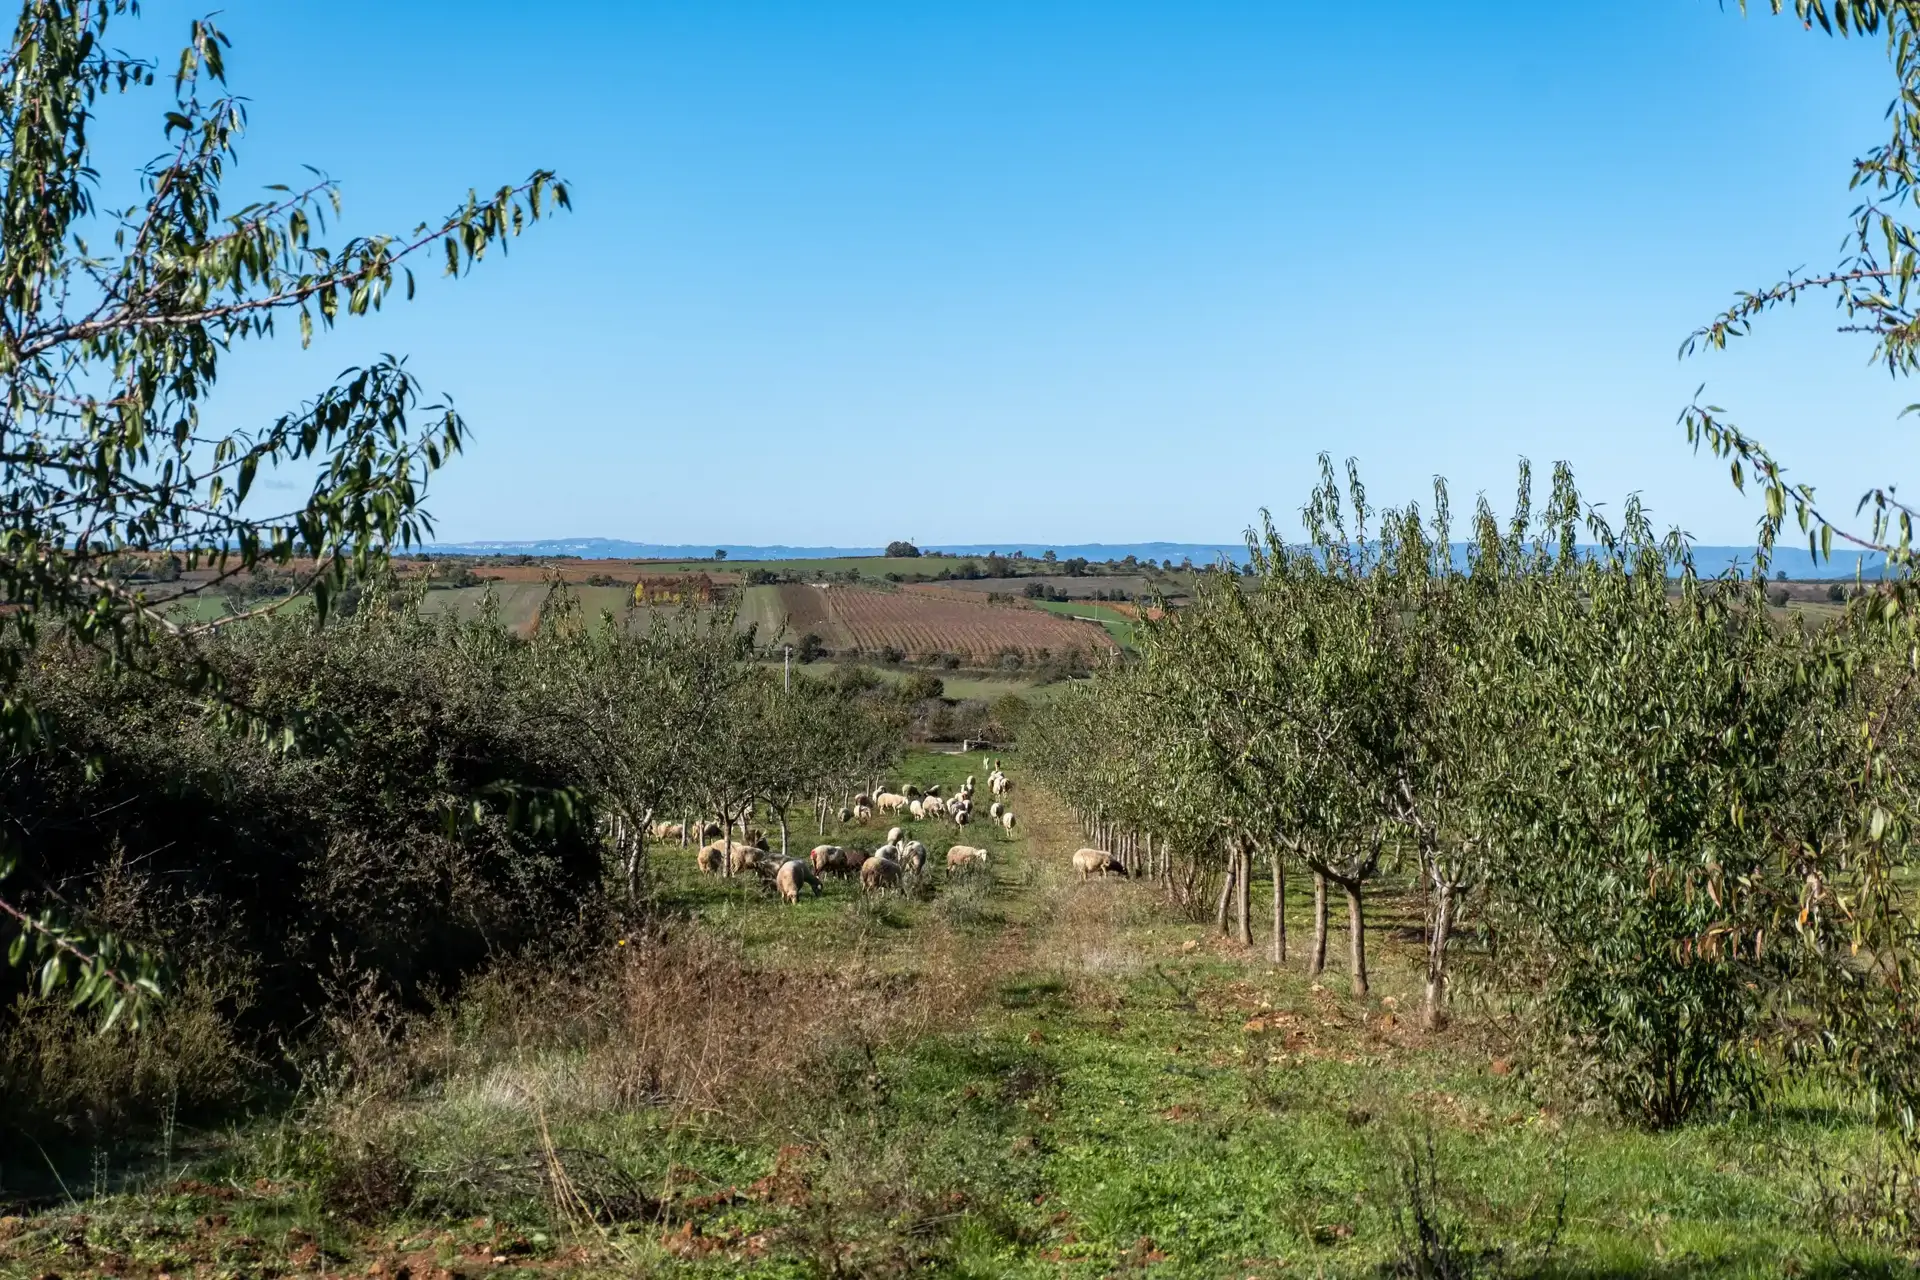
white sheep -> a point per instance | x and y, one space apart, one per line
917 808
890 802
965 856
913 856
1091 861
933 807
878 874
861 812
995 809
894 834
792 875
1006 819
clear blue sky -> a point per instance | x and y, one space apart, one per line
843 272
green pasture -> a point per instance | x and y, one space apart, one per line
1120 1093
1117 624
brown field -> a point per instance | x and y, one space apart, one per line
919 624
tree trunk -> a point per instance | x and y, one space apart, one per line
1356 940
1226 894
726 845
1317 959
783 835
1279 911
1433 1013
1243 897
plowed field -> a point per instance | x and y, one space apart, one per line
919 624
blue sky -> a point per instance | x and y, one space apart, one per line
844 272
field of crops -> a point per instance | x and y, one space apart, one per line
919 625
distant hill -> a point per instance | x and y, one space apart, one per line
1788 562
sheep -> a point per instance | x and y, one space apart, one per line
862 799
712 830
933 791
1006 819
862 812
917 809
913 856
911 792
846 814
823 856
879 874
894 834
792 874
965 857
742 857
933 807
961 817
995 809
666 830
890 802
1089 861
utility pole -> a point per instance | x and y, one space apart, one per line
786 667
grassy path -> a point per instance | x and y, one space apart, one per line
1032 1077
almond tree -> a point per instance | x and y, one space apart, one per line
116 312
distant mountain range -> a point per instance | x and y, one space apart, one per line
1788 562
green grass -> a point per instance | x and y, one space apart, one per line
1118 1093
1117 624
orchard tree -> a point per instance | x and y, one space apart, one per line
116 311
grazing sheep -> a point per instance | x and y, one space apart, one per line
712 830
1089 861
878 874
961 817
913 856
933 807
934 790
666 830
890 802
911 792
862 812
963 856
917 809
747 858
894 834
792 874
1006 819
823 856
863 799
995 809
742 857
846 814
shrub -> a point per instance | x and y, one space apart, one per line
921 686
902 551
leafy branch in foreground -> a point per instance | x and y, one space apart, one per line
118 504
101 975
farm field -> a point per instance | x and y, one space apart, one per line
1131 583
1115 619
918 624
1058 1080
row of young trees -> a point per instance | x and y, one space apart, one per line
1670 824
449 792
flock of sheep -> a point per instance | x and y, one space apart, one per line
883 869
878 871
